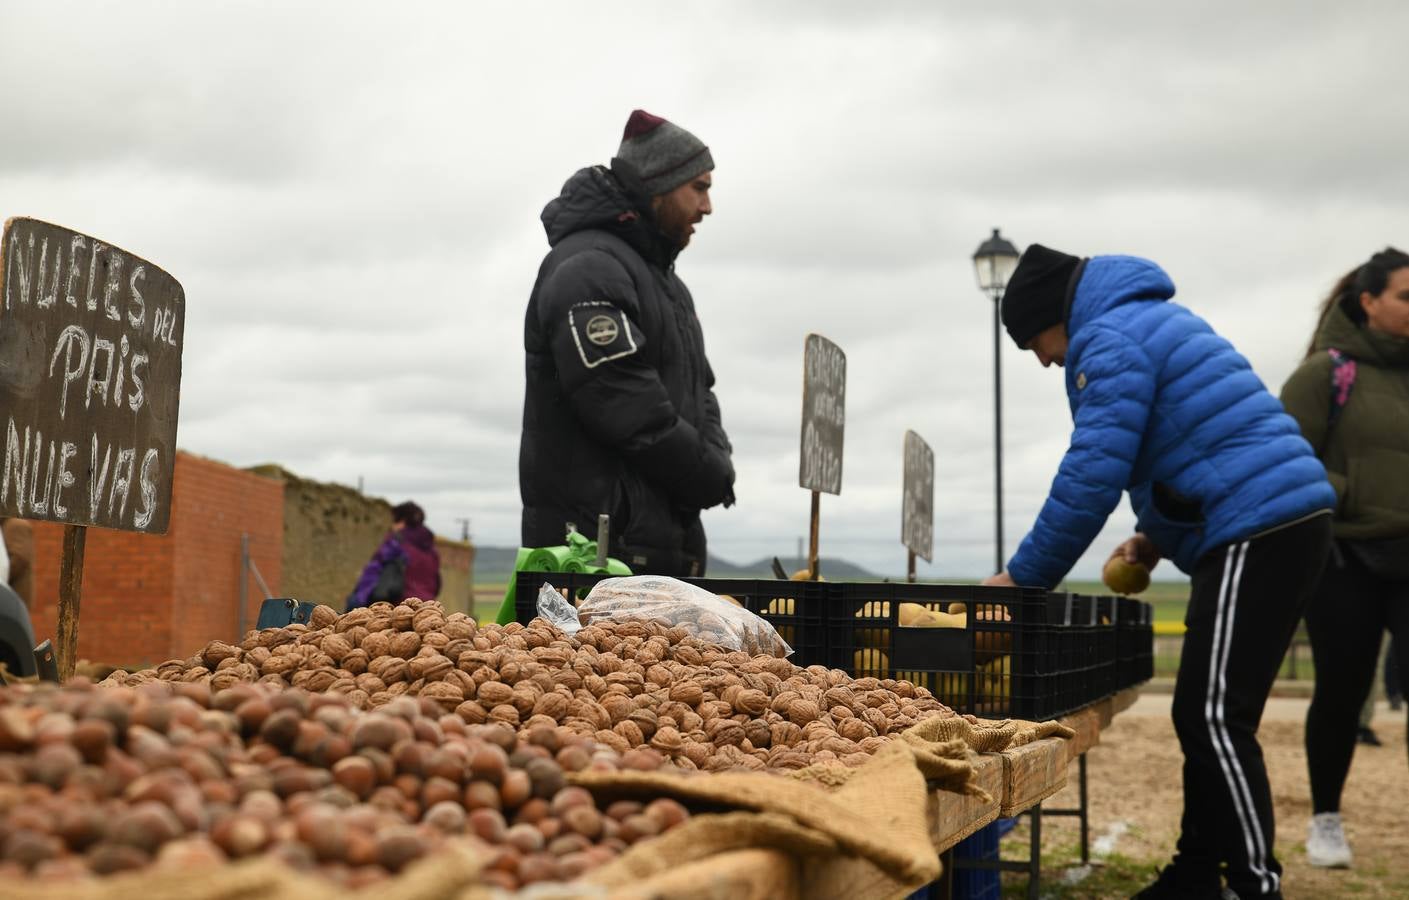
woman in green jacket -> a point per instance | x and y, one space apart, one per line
1351 397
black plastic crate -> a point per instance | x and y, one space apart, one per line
795 608
1009 660
1085 642
1136 640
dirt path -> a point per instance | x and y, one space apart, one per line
1136 799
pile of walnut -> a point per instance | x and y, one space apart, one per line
626 684
97 780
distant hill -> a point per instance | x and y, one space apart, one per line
493 565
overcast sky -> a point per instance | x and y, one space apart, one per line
349 193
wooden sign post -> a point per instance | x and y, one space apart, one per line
823 427
90 379
917 505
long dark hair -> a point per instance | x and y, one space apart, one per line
1369 277
409 513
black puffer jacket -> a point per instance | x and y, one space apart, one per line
619 415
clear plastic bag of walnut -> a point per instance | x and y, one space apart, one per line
704 615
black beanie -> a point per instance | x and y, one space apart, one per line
1036 296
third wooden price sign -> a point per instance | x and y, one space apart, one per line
90 383
917 503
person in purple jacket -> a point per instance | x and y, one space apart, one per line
405 565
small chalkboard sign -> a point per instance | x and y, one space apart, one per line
90 380
823 415
917 506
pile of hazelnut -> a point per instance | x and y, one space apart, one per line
183 775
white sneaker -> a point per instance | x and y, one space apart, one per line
1325 842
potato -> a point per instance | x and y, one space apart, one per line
1124 577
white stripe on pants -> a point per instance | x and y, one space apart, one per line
1255 842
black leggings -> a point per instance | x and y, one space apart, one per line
1346 621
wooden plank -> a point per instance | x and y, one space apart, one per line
70 596
753 874
1124 700
953 817
1032 773
1087 725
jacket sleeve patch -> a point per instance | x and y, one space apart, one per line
601 332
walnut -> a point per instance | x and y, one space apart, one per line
402 617
406 644
443 692
355 661
646 720
428 620
553 705
370 683
854 729
613 740
393 671
758 733
725 731
504 713
785 734
216 651
278 665
668 741
472 712
687 692
750 701
376 644
618 706
493 693
458 626
431 668
336 646
629 730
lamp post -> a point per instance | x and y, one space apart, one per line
994 262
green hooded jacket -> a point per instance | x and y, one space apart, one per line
1366 451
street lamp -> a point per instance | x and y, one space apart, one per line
994 262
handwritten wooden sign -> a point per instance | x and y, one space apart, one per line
90 380
823 415
917 507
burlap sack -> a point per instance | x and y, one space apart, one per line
876 812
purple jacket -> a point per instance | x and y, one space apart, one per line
416 545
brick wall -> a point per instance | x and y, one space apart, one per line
214 505
148 598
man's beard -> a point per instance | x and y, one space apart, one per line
674 224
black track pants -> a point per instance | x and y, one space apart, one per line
1346 620
1244 604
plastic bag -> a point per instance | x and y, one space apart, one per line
704 615
554 607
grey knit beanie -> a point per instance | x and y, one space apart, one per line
663 154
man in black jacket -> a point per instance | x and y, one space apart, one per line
619 412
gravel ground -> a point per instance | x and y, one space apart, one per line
1136 799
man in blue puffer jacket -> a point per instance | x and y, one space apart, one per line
1222 483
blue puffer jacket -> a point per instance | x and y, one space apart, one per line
1168 410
